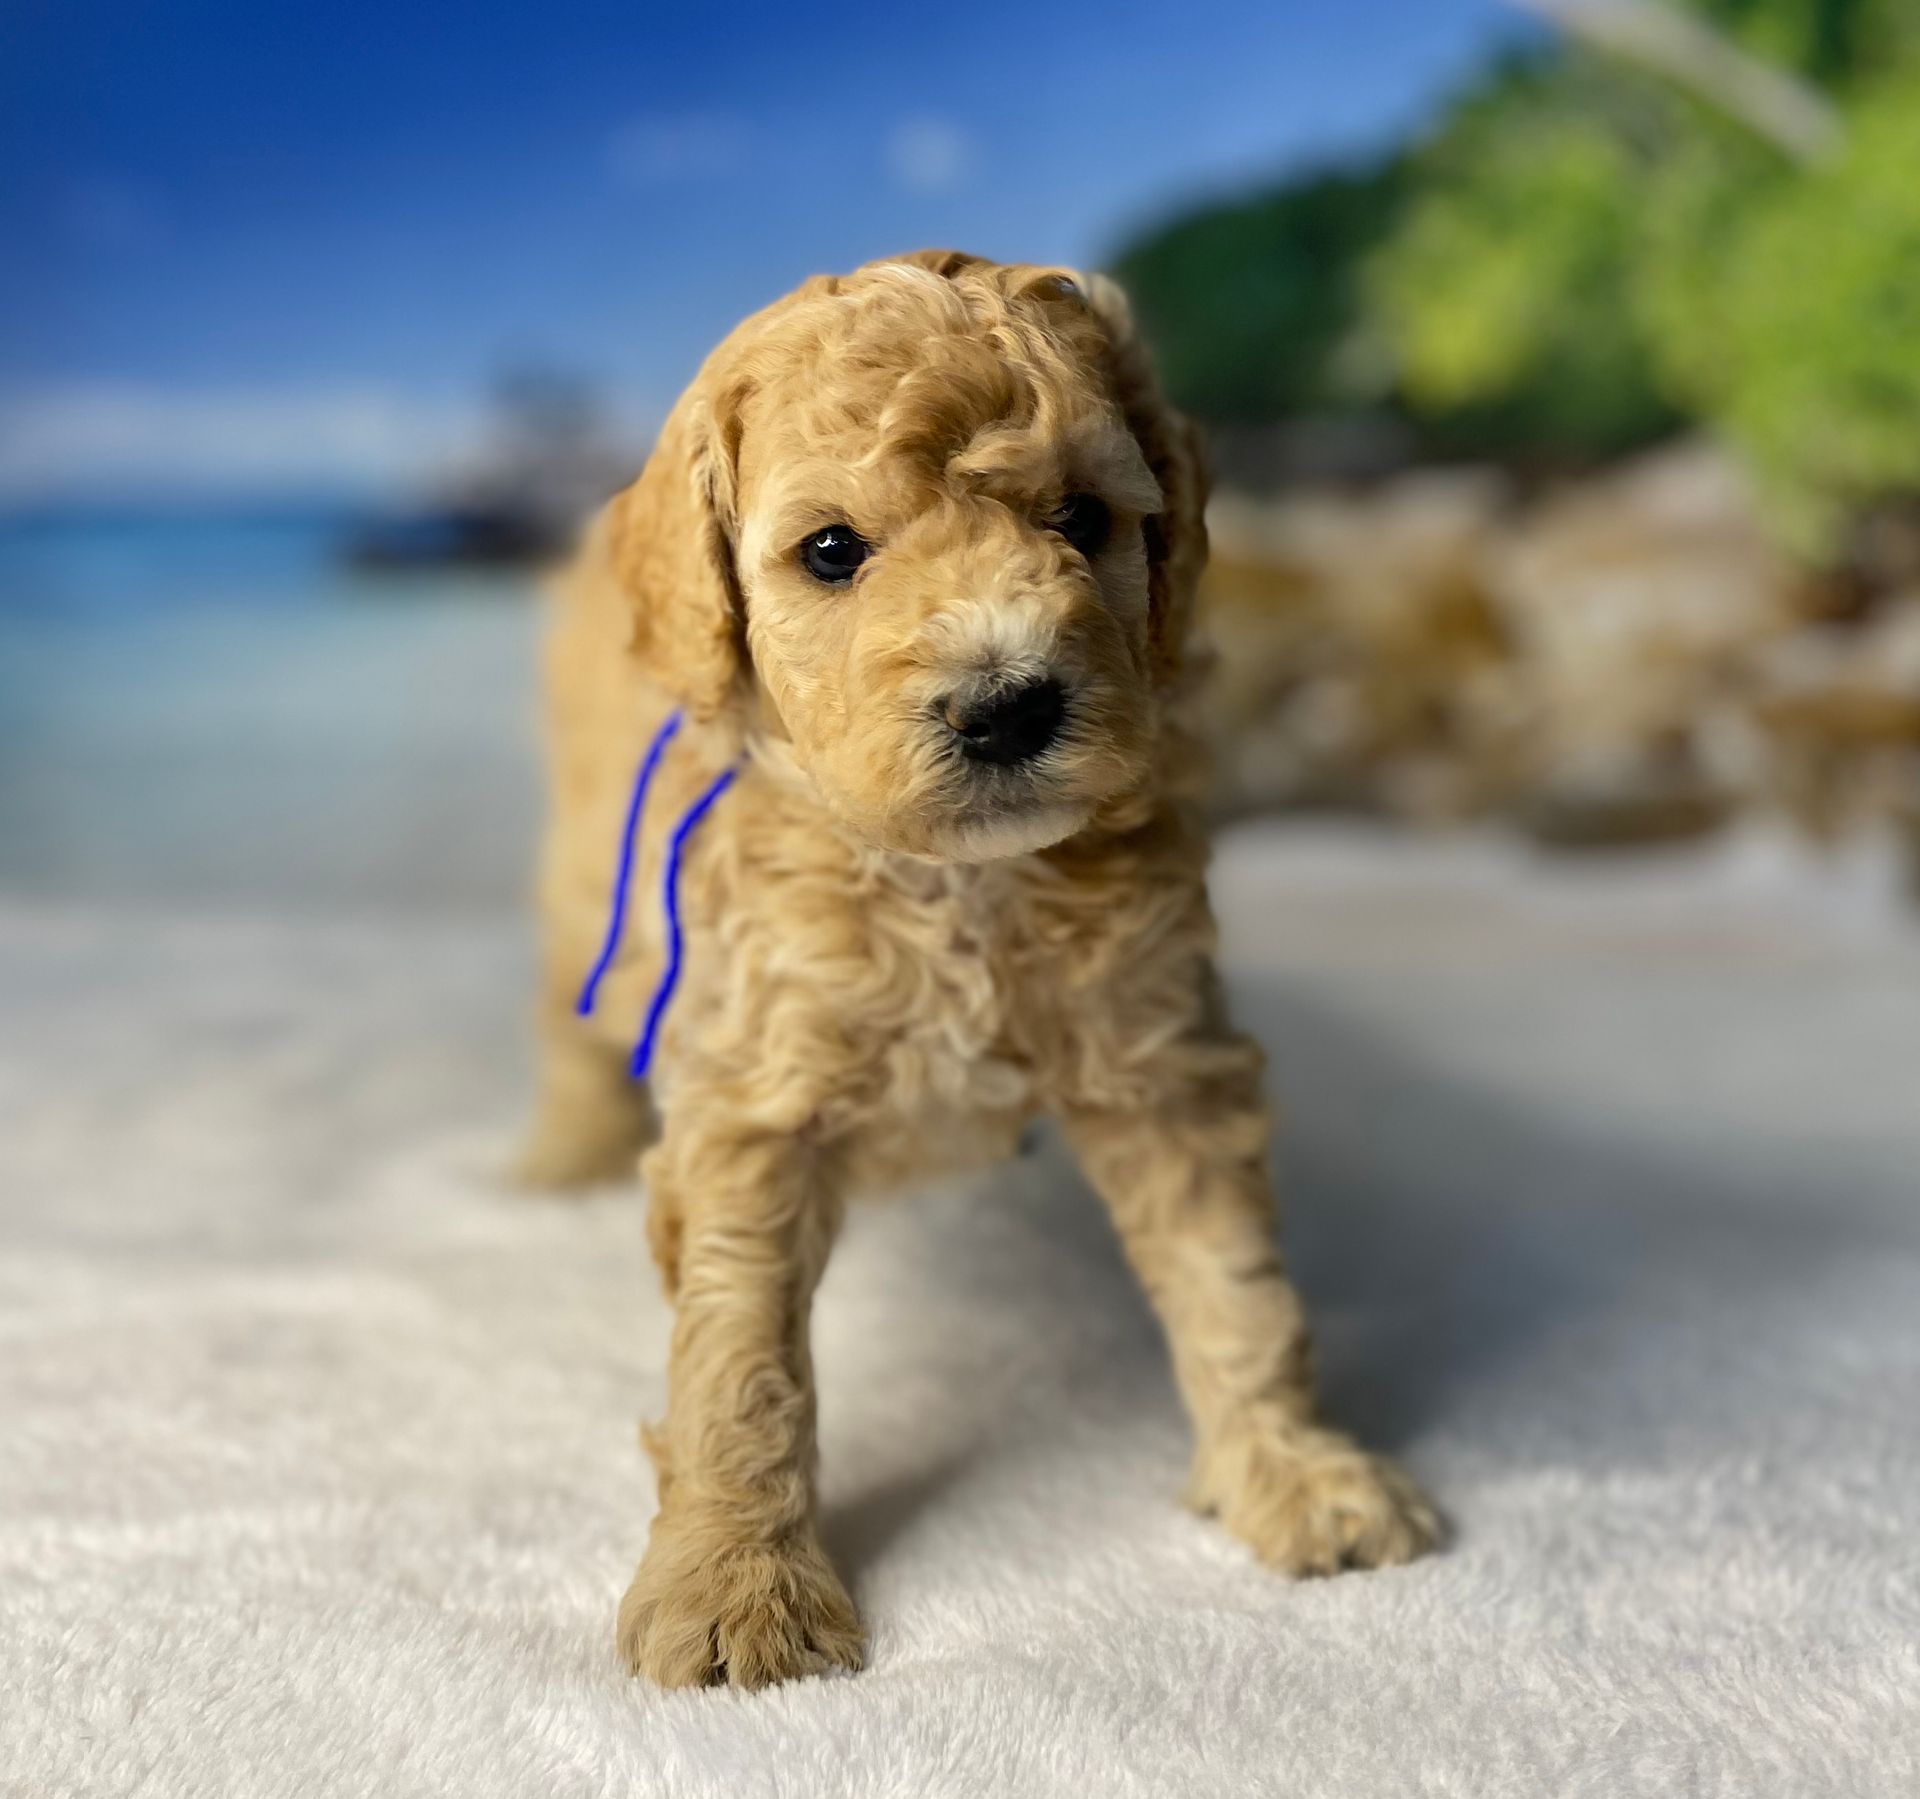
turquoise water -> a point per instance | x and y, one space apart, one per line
90 560
214 710
78 563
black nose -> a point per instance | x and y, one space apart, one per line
1011 725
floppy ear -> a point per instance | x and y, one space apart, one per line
671 541
1177 536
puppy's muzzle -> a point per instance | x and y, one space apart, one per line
1007 725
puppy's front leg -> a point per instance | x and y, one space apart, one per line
734 1584
1184 1175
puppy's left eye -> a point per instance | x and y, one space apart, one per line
1083 520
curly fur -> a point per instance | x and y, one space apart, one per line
899 958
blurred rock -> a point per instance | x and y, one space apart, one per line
1626 658
1634 602
1359 647
1837 713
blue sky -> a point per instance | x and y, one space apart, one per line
286 242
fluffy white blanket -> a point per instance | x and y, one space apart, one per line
317 1459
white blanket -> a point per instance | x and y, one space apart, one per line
317 1460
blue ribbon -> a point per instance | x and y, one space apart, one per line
670 890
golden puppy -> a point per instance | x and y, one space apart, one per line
917 552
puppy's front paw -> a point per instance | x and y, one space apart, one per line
705 1608
1310 1501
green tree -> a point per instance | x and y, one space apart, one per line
1817 378
1506 288
1589 247
1254 307
1836 42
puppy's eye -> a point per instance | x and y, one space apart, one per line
834 554
1084 521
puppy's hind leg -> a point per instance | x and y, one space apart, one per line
591 1119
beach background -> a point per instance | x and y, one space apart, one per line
1557 363
212 711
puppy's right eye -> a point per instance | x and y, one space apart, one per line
833 555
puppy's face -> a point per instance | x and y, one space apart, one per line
937 522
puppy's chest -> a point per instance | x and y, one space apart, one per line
935 1006
966 934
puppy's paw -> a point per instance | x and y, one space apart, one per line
704 1610
1310 1501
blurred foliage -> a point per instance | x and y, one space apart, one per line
1256 308
1836 42
1583 253
1814 371
1507 285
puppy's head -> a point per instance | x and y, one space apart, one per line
933 523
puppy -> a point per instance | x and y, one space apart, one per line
917 553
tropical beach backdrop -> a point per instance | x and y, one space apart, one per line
1557 360
1561 365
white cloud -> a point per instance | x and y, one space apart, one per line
928 155
677 147
101 438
